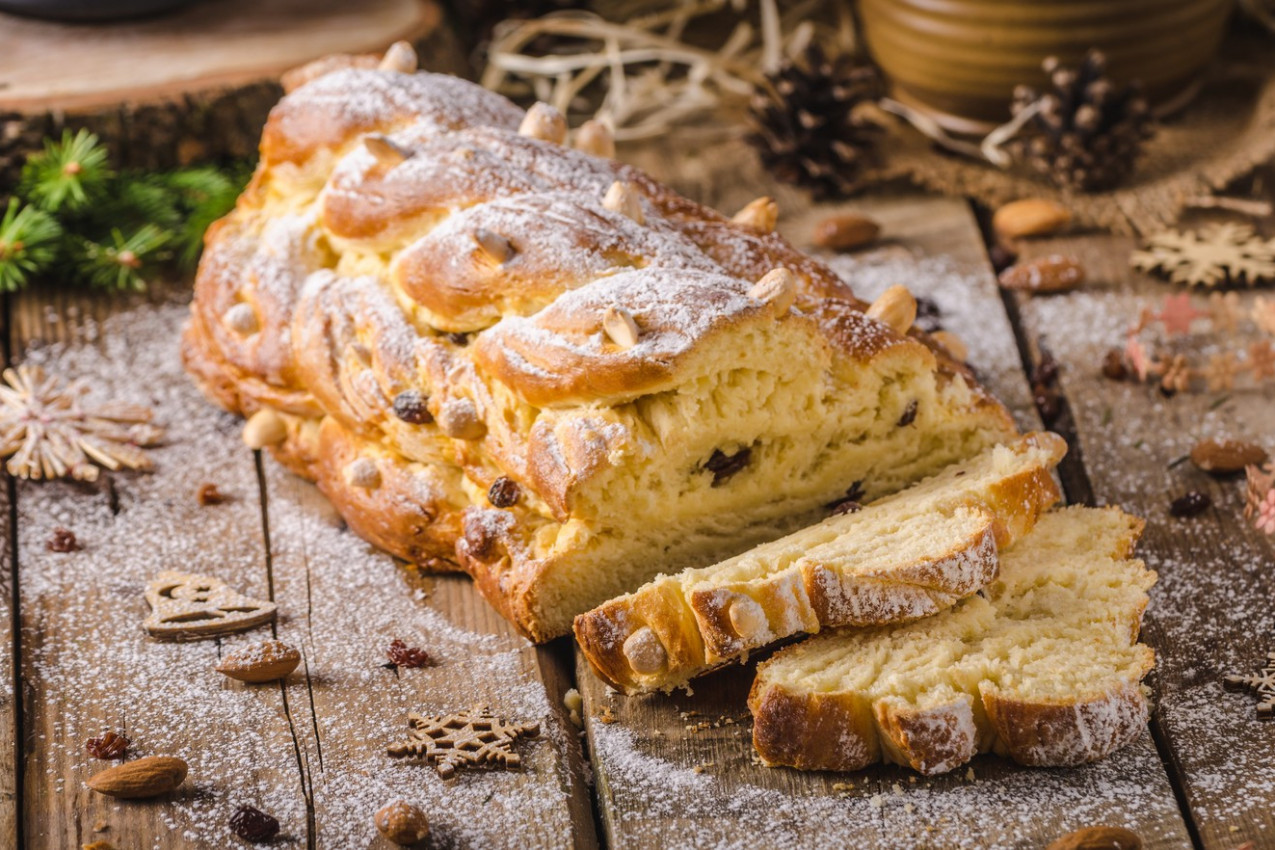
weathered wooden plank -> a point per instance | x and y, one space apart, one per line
682 766
9 765
344 602
87 666
1211 613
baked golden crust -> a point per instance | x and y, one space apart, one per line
420 290
1017 709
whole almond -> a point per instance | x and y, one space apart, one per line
1099 838
896 307
1054 273
1224 457
846 232
402 823
267 661
1030 217
146 777
953 343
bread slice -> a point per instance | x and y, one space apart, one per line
1043 666
902 557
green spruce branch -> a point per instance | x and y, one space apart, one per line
73 216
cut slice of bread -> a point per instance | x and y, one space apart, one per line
1043 666
902 557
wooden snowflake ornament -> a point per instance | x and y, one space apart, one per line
51 435
475 737
194 607
1260 684
1215 255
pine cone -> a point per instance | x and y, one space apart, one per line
1088 132
806 127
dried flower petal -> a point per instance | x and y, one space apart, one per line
107 746
402 655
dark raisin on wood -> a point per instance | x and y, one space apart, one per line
1046 371
928 315
63 540
107 746
209 495
1113 367
503 492
253 825
909 415
410 406
402 655
1048 404
723 466
1001 257
457 339
1192 504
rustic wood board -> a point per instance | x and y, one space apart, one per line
1212 611
683 765
87 666
311 753
9 779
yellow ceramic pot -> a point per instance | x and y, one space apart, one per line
960 59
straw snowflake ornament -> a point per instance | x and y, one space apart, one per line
1216 255
46 432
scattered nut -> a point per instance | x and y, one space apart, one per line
620 326
362 473
385 151
208 494
1113 365
1225 457
544 122
63 540
761 215
107 746
954 344
777 287
1030 217
846 232
644 651
1054 273
747 617
595 137
459 418
495 246
896 307
623 198
241 319
400 57
1098 838
144 777
264 428
402 823
252 824
267 661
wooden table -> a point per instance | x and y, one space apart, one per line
649 772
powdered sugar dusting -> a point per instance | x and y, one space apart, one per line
92 668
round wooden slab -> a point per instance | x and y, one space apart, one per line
186 86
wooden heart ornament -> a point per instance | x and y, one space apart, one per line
194 607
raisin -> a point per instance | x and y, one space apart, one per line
928 315
1113 367
409 406
107 746
1001 257
1046 371
1192 504
63 540
723 466
457 339
503 493
253 825
1047 403
846 506
402 655
850 502
209 495
909 415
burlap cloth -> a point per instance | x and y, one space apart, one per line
1220 136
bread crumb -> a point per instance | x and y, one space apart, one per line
877 801
969 775
573 702
909 808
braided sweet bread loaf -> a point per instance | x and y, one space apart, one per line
494 351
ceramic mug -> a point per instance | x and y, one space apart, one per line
959 60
